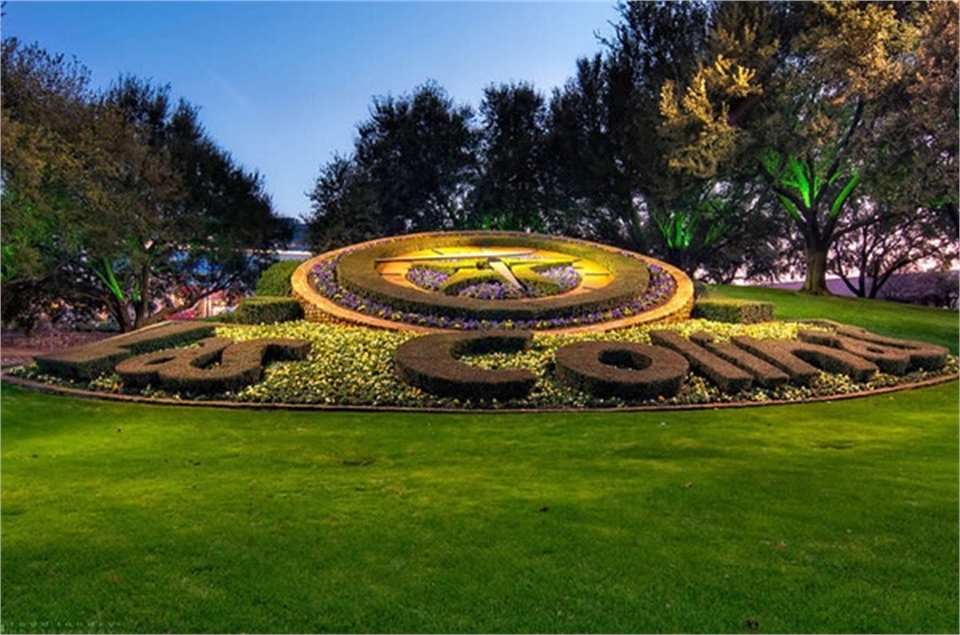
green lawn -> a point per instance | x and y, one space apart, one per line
832 517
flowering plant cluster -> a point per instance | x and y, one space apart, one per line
323 278
354 366
432 278
428 278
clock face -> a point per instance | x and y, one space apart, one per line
516 269
489 280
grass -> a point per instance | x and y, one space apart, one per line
827 517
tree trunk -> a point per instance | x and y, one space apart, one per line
816 280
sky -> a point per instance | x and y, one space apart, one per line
283 85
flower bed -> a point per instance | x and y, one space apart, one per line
351 286
323 279
355 366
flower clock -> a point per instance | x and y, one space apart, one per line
491 280
494 320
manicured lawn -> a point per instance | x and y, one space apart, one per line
830 517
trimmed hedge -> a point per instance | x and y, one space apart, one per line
804 361
729 378
429 363
268 310
764 373
275 279
621 369
890 354
357 272
733 311
90 361
189 369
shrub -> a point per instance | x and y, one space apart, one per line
275 280
803 361
892 355
92 360
729 378
764 373
188 370
430 363
733 311
268 310
621 369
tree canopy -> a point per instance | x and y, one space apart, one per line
118 201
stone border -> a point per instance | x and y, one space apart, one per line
80 393
317 308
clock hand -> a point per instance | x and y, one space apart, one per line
459 256
504 272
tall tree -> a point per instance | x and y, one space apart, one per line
512 186
806 118
50 165
344 204
604 123
193 222
418 152
118 202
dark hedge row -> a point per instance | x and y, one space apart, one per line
217 365
803 361
430 363
275 279
357 273
730 378
268 310
763 372
733 311
92 360
890 354
636 371
621 369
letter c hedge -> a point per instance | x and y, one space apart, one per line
621 369
429 363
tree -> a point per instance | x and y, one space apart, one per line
886 242
418 152
803 120
193 223
604 124
49 163
721 231
119 201
512 187
344 207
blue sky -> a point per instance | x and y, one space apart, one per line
282 85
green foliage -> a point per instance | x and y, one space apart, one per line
511 191
733 311
92 360
430 363
275 279
620 369
215 366
409 170
264 309
118 201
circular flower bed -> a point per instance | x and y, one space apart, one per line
491 280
